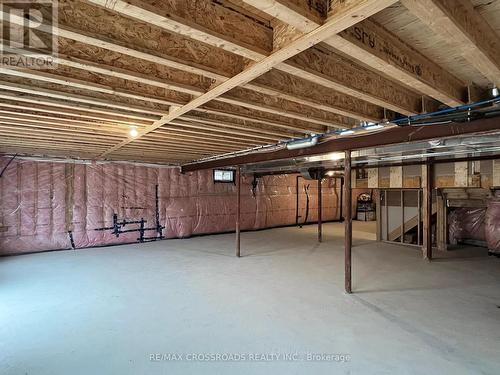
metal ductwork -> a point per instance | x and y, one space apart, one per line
312 173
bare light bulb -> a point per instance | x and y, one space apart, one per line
133 132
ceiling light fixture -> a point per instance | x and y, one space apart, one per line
133 131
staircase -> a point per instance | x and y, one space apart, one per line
408 225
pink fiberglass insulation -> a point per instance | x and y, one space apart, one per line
41 202
492 221
466 223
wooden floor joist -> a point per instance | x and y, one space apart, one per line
344 18
374 46
203 78
463 28
355 108
194 27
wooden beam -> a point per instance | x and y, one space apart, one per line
354 107
53 136
151 141
384 52
239 129
61 126
344 82
345 17
236 97
279 88
218 26
221 122
64 96
113 106
221 118
65 121
179 129
282 85
36 150
253 117
218 130
330 70
169 98
295 13
463 28
312 92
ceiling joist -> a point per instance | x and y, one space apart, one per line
203 78
457 22
344 17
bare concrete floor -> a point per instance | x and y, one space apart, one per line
106 311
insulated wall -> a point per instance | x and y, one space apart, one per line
41 202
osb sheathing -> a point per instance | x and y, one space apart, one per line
145 105
382 43
42 201
340 69
111 59
300 87
83 16
218 19
291 107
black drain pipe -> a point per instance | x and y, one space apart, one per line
297 199
306 190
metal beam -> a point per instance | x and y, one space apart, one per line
428 213
320 234
238 211
348 221
393 135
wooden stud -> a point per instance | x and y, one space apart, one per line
396 177
373 178
496 173
461 174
